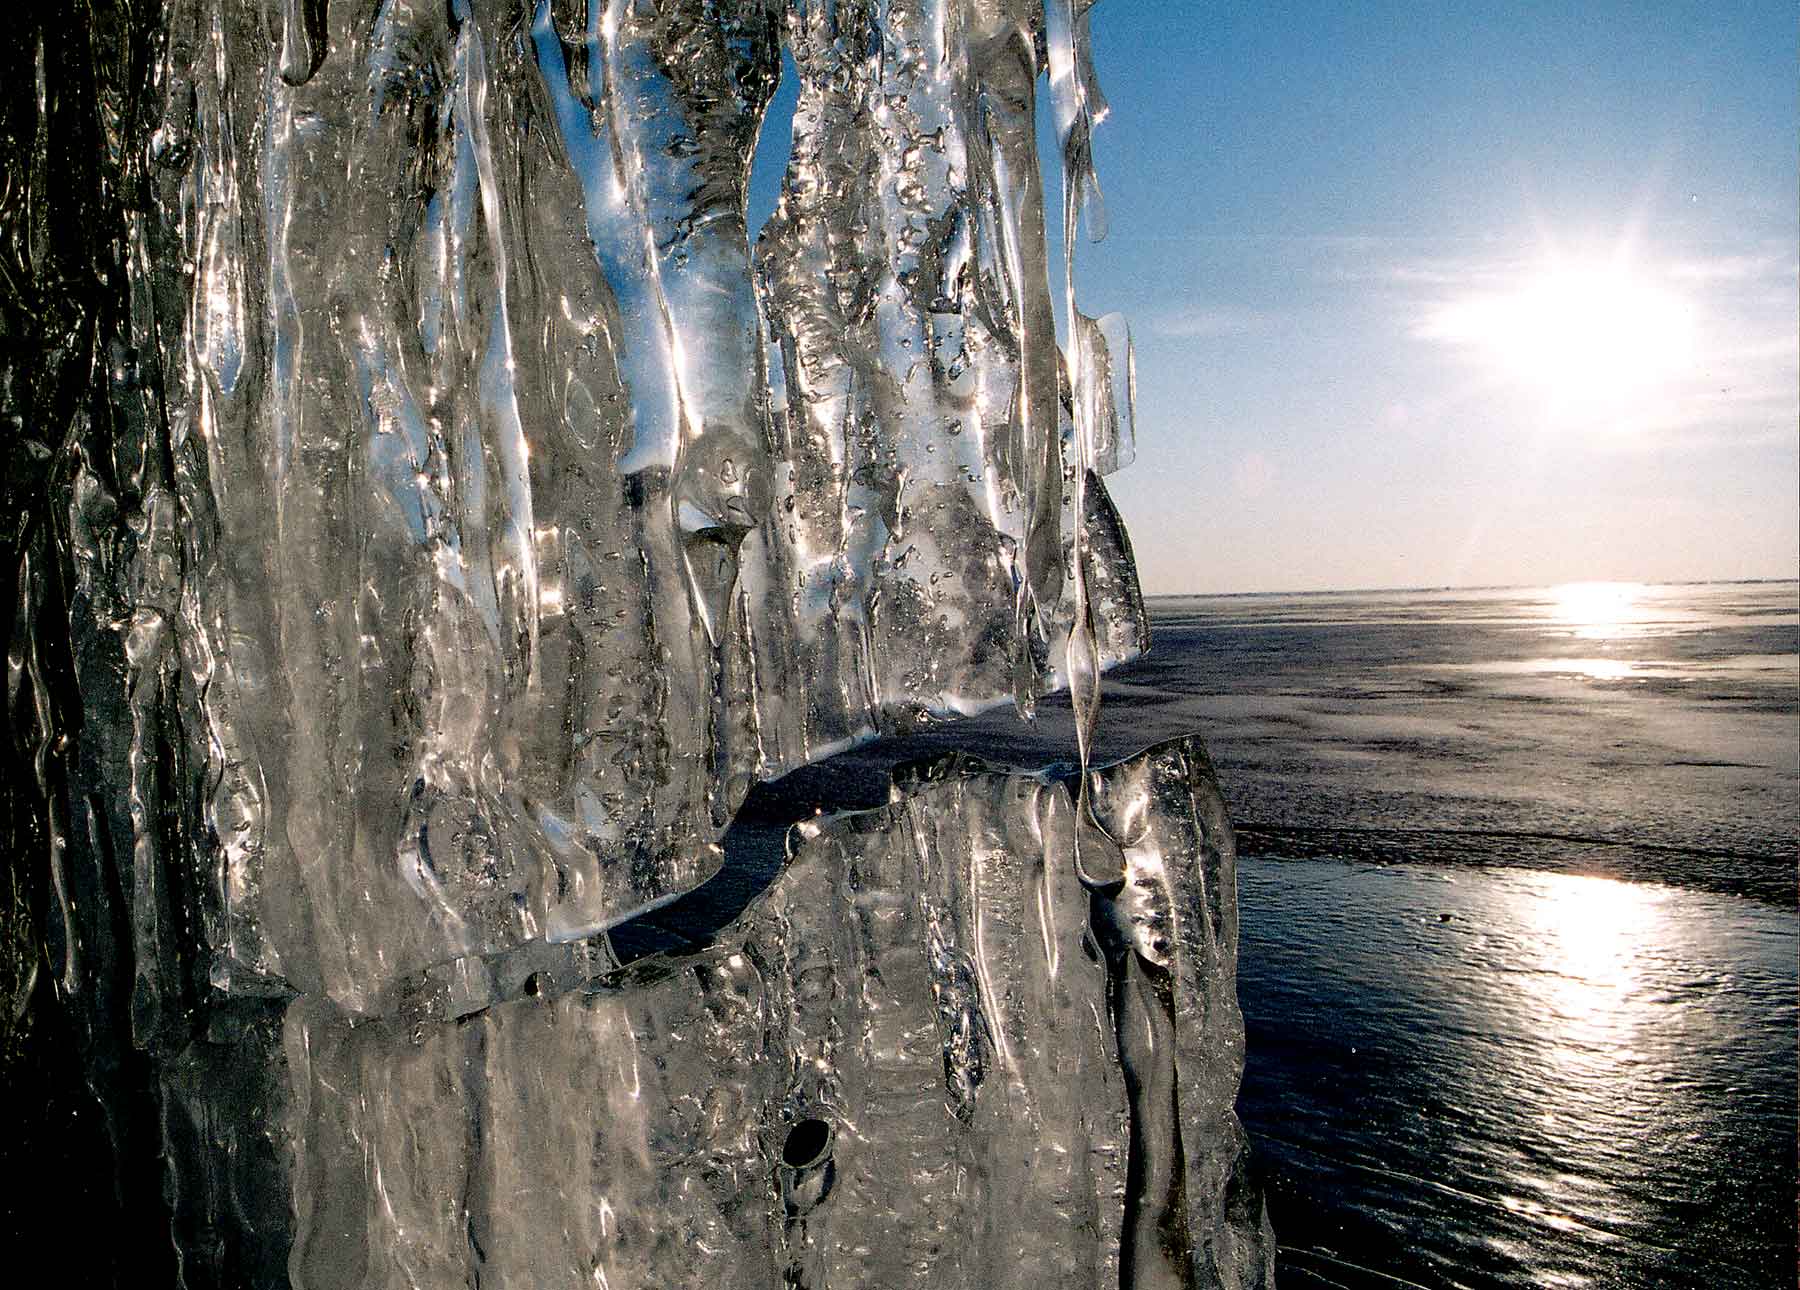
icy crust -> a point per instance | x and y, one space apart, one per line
493 557
928 1055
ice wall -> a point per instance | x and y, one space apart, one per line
428 515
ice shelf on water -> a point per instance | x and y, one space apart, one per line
434 516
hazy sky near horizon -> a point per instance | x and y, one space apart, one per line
1453 294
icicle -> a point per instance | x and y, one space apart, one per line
1102 418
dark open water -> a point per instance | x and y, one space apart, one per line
1570 1082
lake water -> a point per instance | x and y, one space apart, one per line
1477 1057
1468 1078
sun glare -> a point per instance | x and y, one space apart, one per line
1592 934
1589 336
1595 609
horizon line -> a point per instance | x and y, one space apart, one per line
1486 586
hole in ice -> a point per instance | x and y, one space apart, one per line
808 1142
773 147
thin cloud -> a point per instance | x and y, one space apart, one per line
1209 322
1766 268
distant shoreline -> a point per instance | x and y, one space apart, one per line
1425 591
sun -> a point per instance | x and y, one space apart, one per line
1588 336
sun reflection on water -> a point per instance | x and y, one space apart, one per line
1592 934
1596 610
1587 953
1595 669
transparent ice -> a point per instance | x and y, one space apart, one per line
436 515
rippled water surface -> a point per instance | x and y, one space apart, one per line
1470 1078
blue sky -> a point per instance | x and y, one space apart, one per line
1438 294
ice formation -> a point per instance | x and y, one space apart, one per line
433 514
501 556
